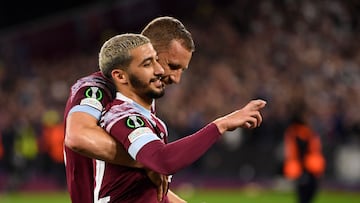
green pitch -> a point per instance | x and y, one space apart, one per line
266 196
202 196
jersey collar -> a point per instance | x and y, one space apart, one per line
143 110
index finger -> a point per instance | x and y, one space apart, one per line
257 104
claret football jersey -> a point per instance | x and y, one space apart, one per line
90 95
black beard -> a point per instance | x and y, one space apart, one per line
142 87
155 95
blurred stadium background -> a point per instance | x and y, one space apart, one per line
282 51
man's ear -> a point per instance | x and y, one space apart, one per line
119 76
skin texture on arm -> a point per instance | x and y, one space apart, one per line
84 136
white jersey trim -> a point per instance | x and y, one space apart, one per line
140 142
86 109
100 172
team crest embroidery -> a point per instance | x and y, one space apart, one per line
134 122
94 93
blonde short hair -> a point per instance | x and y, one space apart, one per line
115 52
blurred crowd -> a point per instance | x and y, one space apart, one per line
285 53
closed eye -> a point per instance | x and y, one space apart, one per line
146 64
175 67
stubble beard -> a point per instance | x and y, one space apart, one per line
143 87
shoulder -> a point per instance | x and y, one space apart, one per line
94 80
90 94
93 86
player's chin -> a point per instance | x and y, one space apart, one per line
162 91
158 92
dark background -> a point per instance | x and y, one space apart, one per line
46 46
14 13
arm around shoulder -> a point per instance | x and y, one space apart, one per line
83 135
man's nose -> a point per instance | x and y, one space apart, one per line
159 70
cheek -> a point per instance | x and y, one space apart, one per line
167 70
165 66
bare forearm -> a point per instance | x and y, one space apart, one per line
93 143
84 136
